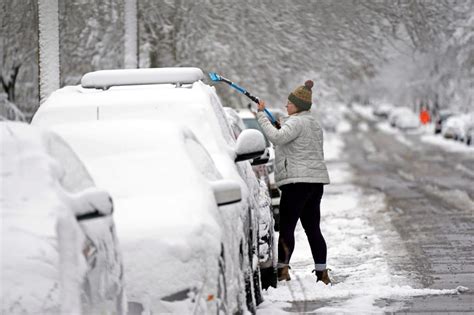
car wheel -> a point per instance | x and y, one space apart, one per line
248 278
257 286
249 296
221 286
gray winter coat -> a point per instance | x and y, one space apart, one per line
299 156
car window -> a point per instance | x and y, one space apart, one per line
75 177
221 117
202 160
237 130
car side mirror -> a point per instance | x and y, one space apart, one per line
226 192
262 159
92 203
250 144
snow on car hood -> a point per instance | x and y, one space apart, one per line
32 204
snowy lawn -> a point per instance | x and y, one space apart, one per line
360 272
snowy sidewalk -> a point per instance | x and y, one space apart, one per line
360 271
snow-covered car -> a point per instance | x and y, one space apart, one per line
468 128
470 135
245 119
440 119
383 110
403 118
176 224
180 96
250 122
456 127
59 249
260 167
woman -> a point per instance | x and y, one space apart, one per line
301 175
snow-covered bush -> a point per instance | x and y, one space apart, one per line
9 111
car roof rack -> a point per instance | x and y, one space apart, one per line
104 79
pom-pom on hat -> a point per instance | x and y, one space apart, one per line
302 96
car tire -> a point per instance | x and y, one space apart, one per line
268 277
257 286
249 296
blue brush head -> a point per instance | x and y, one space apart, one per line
214 76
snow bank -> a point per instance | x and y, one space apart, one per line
449 145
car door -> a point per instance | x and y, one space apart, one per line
103 287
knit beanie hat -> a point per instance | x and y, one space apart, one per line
302 96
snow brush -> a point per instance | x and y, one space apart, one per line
217 78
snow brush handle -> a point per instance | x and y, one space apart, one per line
216 77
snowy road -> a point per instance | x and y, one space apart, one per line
398 220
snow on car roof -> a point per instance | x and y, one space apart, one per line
105 79
165 102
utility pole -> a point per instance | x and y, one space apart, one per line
131 34
48 19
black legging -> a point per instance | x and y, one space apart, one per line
301 201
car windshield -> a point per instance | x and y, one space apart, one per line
75 177
252 123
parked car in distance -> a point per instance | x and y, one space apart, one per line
470 136
440 119
468 128
177 95
59 248
455 127
383 110
403 118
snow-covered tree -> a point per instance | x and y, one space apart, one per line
91 37
18 53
